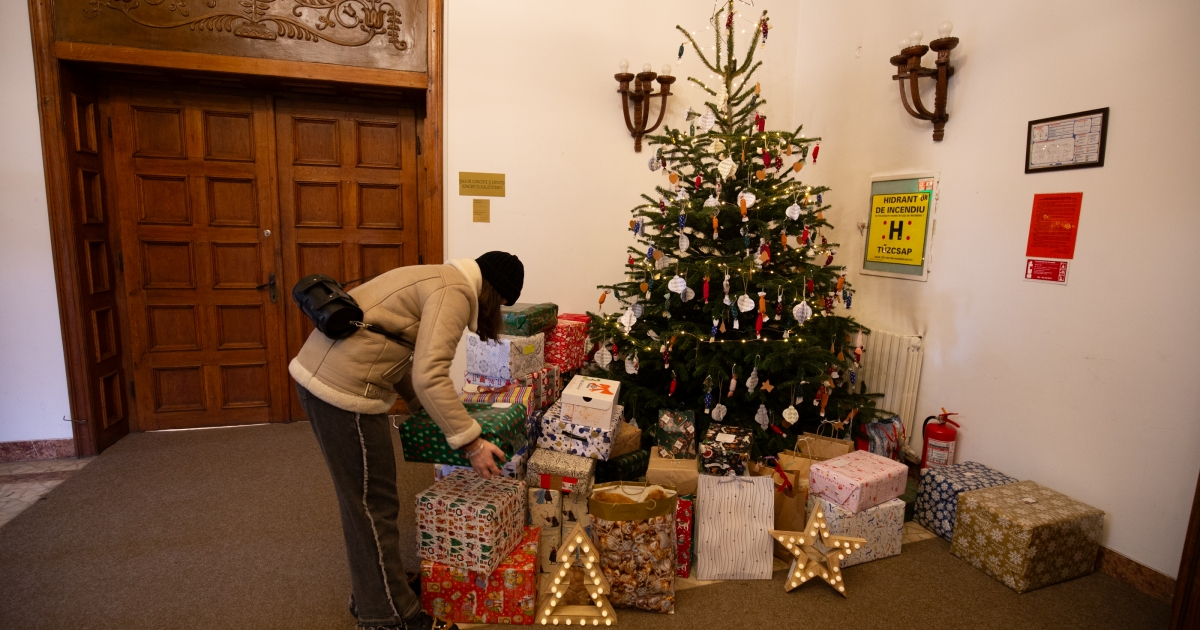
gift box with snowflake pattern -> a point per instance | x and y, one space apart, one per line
937 494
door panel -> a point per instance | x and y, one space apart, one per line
347 195
195 187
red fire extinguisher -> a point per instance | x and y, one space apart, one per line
939 439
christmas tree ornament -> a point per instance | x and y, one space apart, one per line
722 325
684 243
674 383
847 294
706 291
654 164
698 181
758 326
637 308
746 240
858 348
680 196
631 365
652 334
766 156
673 178
718 412
748 197
682 220
783 246
628 319
743 207
829 303
797 165
711 202
677 284
758 88
764 252
712 335
778 163
745 303
829 261
816 150
752 380
800 392
603 357
732 385
707 121
632 262
687 294
804 237
658 255
649 252
760 174
725 286
708 397
802 311
841 282
853 376
690 114
767 386
762 305
809 287
603 296
779 305
645 288
790 415
727 168
715 226
717 146
762 417
824 398
793 211
818 395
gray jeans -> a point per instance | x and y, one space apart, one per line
358 451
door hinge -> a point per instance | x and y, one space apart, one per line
132 390
121 262
418 144
110 127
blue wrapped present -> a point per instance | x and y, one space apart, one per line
937 496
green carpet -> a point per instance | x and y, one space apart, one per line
238 528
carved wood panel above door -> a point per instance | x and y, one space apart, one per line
387 34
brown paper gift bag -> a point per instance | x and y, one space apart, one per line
820 448
628 440
681 474
791 499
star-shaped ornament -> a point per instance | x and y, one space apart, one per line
809 562
767 386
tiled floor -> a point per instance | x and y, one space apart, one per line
23 483
915 533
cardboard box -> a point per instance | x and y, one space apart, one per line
681 474
503 424
857 480
564 435
468 522
507 596
1026 535
882 526
591 401
523 320
507 357
937 494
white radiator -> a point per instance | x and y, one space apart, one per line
891 365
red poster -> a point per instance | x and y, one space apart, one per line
1046 270
1054 225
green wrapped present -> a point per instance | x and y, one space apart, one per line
627 467
503 425
526 320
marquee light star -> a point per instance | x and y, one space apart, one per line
809 562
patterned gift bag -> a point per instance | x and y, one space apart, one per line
637 544
725 450
675 434
683 536
734 516
423 441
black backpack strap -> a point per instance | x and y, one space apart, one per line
381 331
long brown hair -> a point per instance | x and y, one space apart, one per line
490 320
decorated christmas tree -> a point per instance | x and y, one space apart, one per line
733 305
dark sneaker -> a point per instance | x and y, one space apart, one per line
424 622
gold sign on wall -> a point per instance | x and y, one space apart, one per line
481 184
481 210
387 34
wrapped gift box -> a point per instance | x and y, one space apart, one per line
857 480
503 424
548 544
545 509
513 395
575 511
628 439
683 536
546 384
881 525
628 467
1026 535
675 434
523 320
505 358
566 344
468 522
560 471
507 596
937 496
592 402
725 450
681 474
559 433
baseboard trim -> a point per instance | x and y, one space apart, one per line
30 450
1136 574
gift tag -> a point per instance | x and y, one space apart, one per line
684 242
726 438
802 312
745 303
603 357
628 319
727 168
677 284
501 405
718 412
793 211
790 415
687 294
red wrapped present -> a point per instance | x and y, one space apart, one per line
546 384
566 344
508 595
683 537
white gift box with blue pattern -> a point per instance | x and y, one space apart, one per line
507 358
937 496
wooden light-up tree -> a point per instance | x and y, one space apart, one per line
578 591
809 562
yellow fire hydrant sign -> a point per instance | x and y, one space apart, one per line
898 228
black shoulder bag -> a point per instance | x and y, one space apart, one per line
337 315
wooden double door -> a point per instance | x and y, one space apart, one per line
224 201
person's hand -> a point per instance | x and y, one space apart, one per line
483 455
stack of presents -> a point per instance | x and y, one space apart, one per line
585 489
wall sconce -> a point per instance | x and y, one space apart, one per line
908 67
641 95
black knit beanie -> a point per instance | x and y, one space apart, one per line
505 273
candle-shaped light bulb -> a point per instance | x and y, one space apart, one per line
915 37
624 66
645 67
945 28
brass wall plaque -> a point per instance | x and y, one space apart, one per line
481 210
481 184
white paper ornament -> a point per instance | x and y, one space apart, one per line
745 303
707 121
651 334
691 114
793 211
688 294
603 357
628 319
717 146
727 301
711 202
762 417
749 197
655 163
790 416
802 312
677 284
718 412
681 195
752 380
684 242
631 367
727 168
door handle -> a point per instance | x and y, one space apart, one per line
271 288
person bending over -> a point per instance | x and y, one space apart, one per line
346 387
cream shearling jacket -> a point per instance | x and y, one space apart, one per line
428 306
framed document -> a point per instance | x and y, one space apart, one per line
1072 141
899 226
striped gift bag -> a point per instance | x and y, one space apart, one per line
732 522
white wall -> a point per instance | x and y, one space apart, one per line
33 381
1090 388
